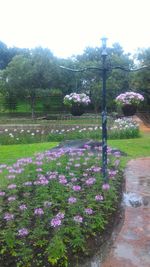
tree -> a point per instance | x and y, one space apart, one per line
29 73
117 81
6 54
141 79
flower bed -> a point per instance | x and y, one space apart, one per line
53 203
122 128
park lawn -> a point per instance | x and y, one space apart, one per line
134 148
10 153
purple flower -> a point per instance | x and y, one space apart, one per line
96 169
62 181
41 181
71 174
99 197
8 216
60 215
74 179
72 200
12 198
38 211
90 181
23 207
105 187
55 222
27 183
88 211
112 173
77 165
117 154
12 186
2 193
78 219
61 176
76 187
39 170
38 163
11 176
23 232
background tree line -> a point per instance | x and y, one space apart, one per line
34 76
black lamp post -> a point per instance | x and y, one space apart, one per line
104 70
104 112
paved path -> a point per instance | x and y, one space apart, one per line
132 245
143 127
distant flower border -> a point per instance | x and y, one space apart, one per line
129 98
79 99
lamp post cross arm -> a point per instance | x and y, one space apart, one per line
81 70
131 70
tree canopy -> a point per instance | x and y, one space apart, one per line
26 72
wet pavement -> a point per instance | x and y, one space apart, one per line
143 127
131 247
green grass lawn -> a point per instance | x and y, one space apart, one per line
134 148
137 147
10 153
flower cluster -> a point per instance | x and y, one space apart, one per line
61 199
74 98
129 98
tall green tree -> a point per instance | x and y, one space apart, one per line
117 81
27 74
141 79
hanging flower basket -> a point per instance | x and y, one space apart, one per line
129 110
76 103
77 110
129 102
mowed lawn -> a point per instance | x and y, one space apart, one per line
134 148
10 153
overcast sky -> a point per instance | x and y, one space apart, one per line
66 27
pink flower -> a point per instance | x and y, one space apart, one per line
23 207
74 179
39 170
72 200
23 232
12 198
76 187
2 193
77 165
27 183
99 197
38 211
105 187
60 215
78 219
11 176
55 222
90 181
88 211
62 181
8 216
12 186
